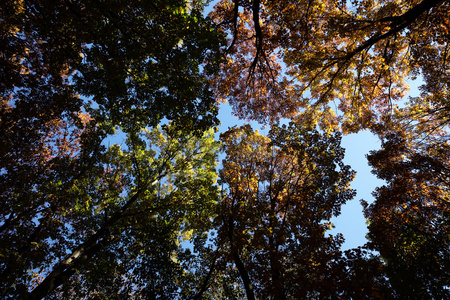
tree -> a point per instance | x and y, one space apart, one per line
409 220
281 192
122 55
125 63
362 275
73 73
297 58
131 217
169 200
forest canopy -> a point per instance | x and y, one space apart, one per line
156 215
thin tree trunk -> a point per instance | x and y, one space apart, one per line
244 276
239 264
83 253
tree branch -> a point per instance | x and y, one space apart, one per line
67 267
397 24
235 23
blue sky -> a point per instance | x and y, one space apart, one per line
351 222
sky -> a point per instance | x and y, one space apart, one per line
351 223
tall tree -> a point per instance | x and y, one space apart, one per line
281 192
170 199
72 73
130 216
409 222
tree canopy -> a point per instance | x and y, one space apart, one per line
341 63
409 221
282 191
111 183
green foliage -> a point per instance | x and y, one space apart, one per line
74 72
132 215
